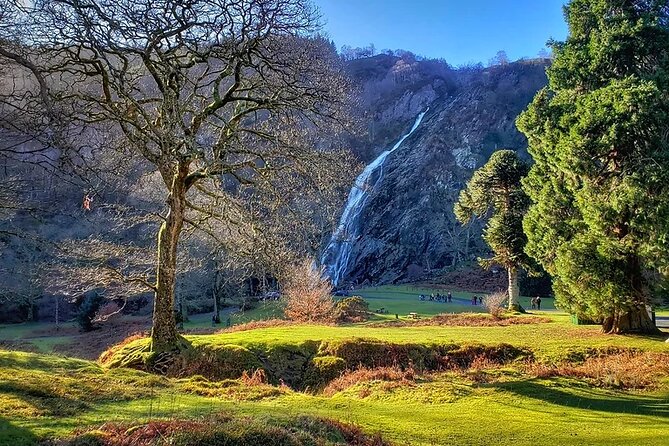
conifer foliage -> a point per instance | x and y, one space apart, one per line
599 218
495 192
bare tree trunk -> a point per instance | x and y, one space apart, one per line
57 312
164 335
513 289
469 232
217 311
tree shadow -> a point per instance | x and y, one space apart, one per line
587 398
11 434
43 399
33 361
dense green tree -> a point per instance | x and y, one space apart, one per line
495 192
599 218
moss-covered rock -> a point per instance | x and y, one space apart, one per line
463 356
322 370
287 363
219 362
370 353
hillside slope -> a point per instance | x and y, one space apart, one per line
407 226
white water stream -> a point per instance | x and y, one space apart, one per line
337 254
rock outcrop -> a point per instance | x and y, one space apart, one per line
407 224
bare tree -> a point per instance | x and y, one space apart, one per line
220 97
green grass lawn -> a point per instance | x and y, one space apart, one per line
394 299
263 311
546 339
49 396
32 333
46 396
404 299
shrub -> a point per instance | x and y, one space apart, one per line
257 378
88 439
218 362
352 309
287 362
464 356
242 435
90 305
308 295
226 431
494 304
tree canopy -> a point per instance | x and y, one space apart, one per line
599 218
220 99
495 193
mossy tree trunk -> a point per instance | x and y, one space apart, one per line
164 335
633 318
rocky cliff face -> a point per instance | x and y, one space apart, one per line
407 226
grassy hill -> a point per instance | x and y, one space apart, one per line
557 384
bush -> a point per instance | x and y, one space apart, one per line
95 438
405 378
352 309
494 304
226 431
308 295
624 370
462 357
91 303
242 435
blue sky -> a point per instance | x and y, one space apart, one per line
456 30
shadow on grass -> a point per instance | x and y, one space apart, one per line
43 399
587 398
10 434
33 361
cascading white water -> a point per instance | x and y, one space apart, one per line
337 254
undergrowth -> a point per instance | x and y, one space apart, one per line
228 431
620 370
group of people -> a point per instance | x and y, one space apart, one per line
536 303
446 298
475 300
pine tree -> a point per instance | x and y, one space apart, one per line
495 192
598 222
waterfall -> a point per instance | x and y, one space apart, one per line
337 254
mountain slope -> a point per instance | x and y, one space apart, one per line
407 226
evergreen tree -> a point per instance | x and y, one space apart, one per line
599 218
495 192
